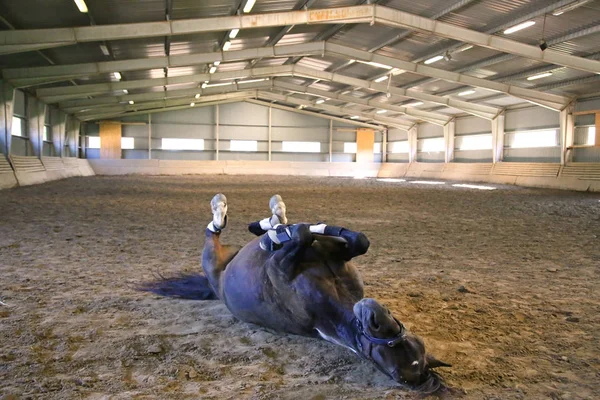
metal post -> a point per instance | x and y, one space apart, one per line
384 147
330 140
449 131
412 144
498 138
567 134
270 129
149 136
217 132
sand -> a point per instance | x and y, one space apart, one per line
502 284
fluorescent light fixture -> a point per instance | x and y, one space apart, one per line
104 50
429 182
397 71
391 180
351 62
125 91
233 33
355 117
192 104
227 45
539 76
249 5
375 64
81 5
415 104
464 48
381 111
480 187
466 93
433 59
519 27
254 80
320 101
117 75
204 85
219 84
197 96
217 63
212 70
131 102
569 7
381 78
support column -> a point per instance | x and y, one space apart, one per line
7 100
384 146
330 140
58 120
498 138
83 136
270 129
149 136
449 133
567 134
217 132
36 116
412 144
72 135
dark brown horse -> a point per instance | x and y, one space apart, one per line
306 287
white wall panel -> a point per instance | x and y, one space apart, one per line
471 125
429 130
531 118
243 114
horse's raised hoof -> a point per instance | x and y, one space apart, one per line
218 205
278 209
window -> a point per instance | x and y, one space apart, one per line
476 142
127 143
399 147
243 145
93 142
591 136
523 140
433 145
301 147
376 148
350 147
47 137
183 144
17 126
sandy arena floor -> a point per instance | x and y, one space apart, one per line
526 327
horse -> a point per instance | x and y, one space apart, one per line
305 286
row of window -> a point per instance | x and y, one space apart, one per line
519 140
18 125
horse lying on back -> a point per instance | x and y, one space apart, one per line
288 281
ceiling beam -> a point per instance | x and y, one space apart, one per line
353 14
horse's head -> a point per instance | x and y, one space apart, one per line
400 355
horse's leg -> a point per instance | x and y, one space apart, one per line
284 261
215 255
356 243
278 209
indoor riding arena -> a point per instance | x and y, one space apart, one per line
461 137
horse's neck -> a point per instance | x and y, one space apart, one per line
340 329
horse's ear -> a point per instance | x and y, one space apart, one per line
435 363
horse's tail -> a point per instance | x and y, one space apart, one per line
192 286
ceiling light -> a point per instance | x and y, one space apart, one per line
397 71
192 104
375 64
117 75
131 102
381 111
320 101
433 59
254 80
249 5
104 50
218 84
466 93
539 76
464 48
217 63
204 85
569 7
81 5
519 27
197 96
233 33
212 70
381 78
355 117
351 62
415 104
125 91
227 45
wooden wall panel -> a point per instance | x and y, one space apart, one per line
110 140
365 140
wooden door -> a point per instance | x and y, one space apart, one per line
110 140
365 140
